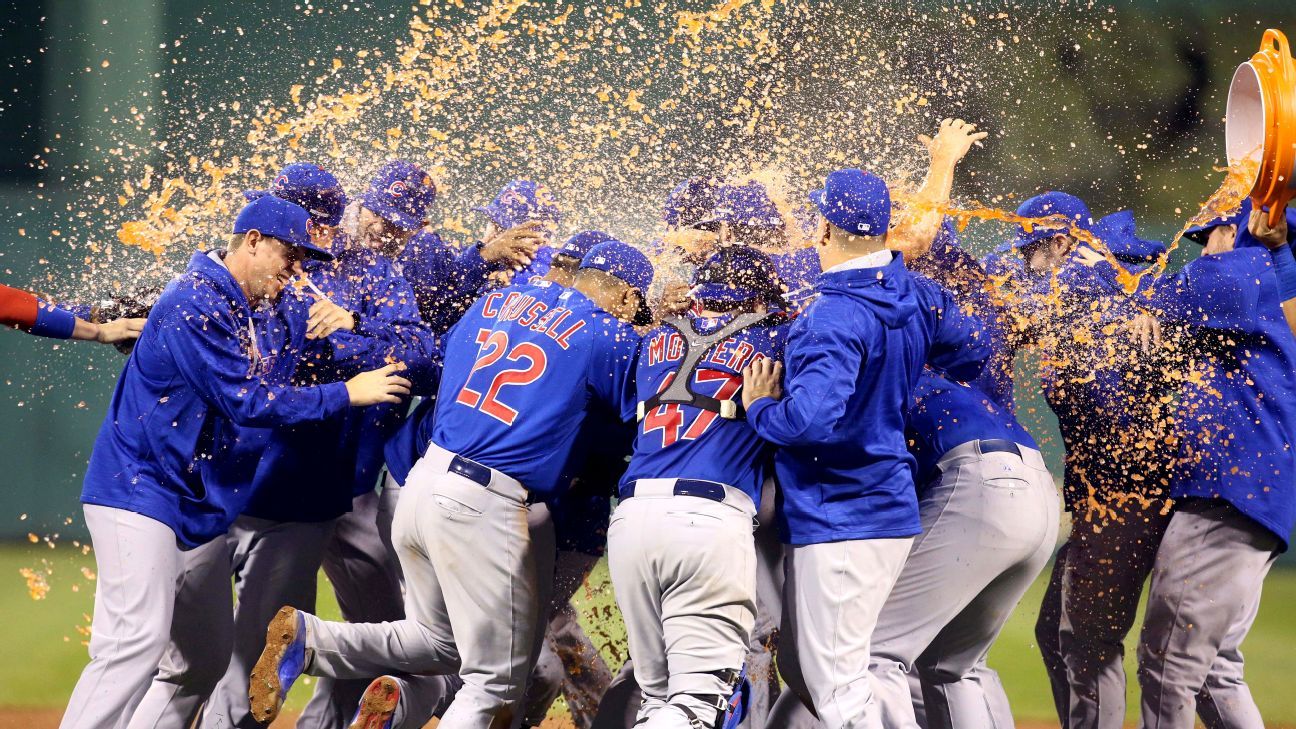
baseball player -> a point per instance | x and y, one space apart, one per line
169 473
22 310
524 206
680 545
989 513
849 511
1235 503
521 366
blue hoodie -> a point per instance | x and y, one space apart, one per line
311 472
172 446
853 359
1237 408
945 414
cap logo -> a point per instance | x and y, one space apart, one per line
397 188
512 197
600 259
280 182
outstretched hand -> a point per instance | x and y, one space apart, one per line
119 330
952 141
380 385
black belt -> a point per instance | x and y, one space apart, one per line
999 445
689 487
471 470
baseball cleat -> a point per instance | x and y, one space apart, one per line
377 705
281 662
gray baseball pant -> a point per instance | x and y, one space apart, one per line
832 598
684 573
274 564
1090 606
138 563
361 565
462 546
620 704
201 641
1204 595
989 526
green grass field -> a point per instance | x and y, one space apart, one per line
46 636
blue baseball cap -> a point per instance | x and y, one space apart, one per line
277 218
581 243
855 201
401 193
311 187
521 201
1117 232
691 201
1050 204
736 274
748 205
623 261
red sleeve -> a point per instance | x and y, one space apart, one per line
17 308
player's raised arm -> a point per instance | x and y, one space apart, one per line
25 311
917 226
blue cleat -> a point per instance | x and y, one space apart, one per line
377 705
281 662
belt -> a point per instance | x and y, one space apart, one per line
471 470
1000 445
689 487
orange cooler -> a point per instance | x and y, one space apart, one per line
1260 122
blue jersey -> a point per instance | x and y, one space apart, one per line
682 441
520 370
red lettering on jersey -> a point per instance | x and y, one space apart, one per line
514 309
545 318
656 349
561 339
532 312
741 354
553 326
718 355
675 347
488 306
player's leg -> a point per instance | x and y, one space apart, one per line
1107 564
1047 626
1225 702
638 596
137 563
1210 568
765 686
1012 521
790 712
275 564
202 638
362 568
839 589
620 703
704 560
493 597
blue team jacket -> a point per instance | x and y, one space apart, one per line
852 359
945 414
311 472
1237 410
172 446
445 280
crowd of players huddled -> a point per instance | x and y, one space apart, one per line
803 461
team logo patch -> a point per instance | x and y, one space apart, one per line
512 197
280 182
397 188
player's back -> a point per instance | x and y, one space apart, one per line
521 366
678 440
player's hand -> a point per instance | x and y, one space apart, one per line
516 247
119 330
380 385
500 279
1147 332
1088 257
327 317
952 141
762 378
675 299
1272 237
